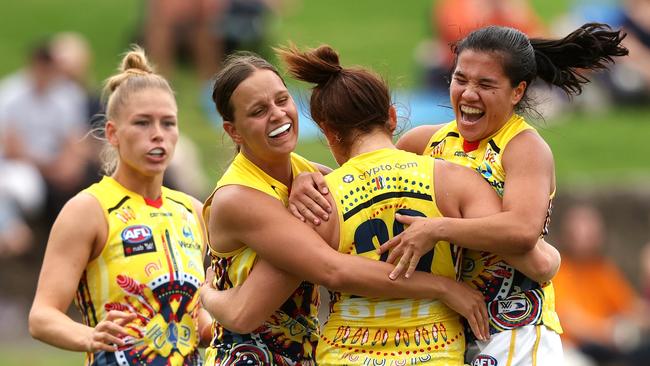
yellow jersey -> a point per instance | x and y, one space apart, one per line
151 265
290 336
369 190
513 299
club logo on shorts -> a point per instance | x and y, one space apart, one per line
348 178
137 239
484 360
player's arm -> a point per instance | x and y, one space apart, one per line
540 264
461 192
245 215
416 139
204 319
69 248
244 308
529 167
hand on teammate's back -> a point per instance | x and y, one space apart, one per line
469 303
409 246
307 198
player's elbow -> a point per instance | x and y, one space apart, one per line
36 321
548 267
525 237
544 267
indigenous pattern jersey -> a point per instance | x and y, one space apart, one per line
369 190
513 299
151 265
290 336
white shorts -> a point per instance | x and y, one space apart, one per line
531 345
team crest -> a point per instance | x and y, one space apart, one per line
484 360
137 239
348 178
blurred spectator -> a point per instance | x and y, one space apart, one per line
21 194
601 314
204 32
42 118
206 29
645 272
630 80
173 25
453 19
73 56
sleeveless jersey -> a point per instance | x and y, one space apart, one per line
513 299
369 190
290 336
151 265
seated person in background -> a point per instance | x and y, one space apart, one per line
600 311
42 120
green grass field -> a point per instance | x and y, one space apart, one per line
377 33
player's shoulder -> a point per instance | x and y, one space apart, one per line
416 139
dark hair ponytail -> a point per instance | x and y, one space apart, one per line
556 61
346 100
316 67
590 47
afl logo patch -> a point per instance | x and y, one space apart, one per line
348 178
137 239
484 360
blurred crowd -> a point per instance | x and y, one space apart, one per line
50 109
627 83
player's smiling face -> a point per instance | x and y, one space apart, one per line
481 95
265 117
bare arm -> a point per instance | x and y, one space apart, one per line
540 264
244 308
416 139
243 215
529 167
515 230
455 199
204 319
69 249
248 217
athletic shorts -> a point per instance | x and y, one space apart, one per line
531 345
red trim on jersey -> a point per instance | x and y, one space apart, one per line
470 145
157 203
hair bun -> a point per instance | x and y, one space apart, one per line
135 59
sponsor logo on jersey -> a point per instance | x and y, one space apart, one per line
348 178
137 239
164 214
187 232
379 182
508 306
484 360
375 170
463 154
